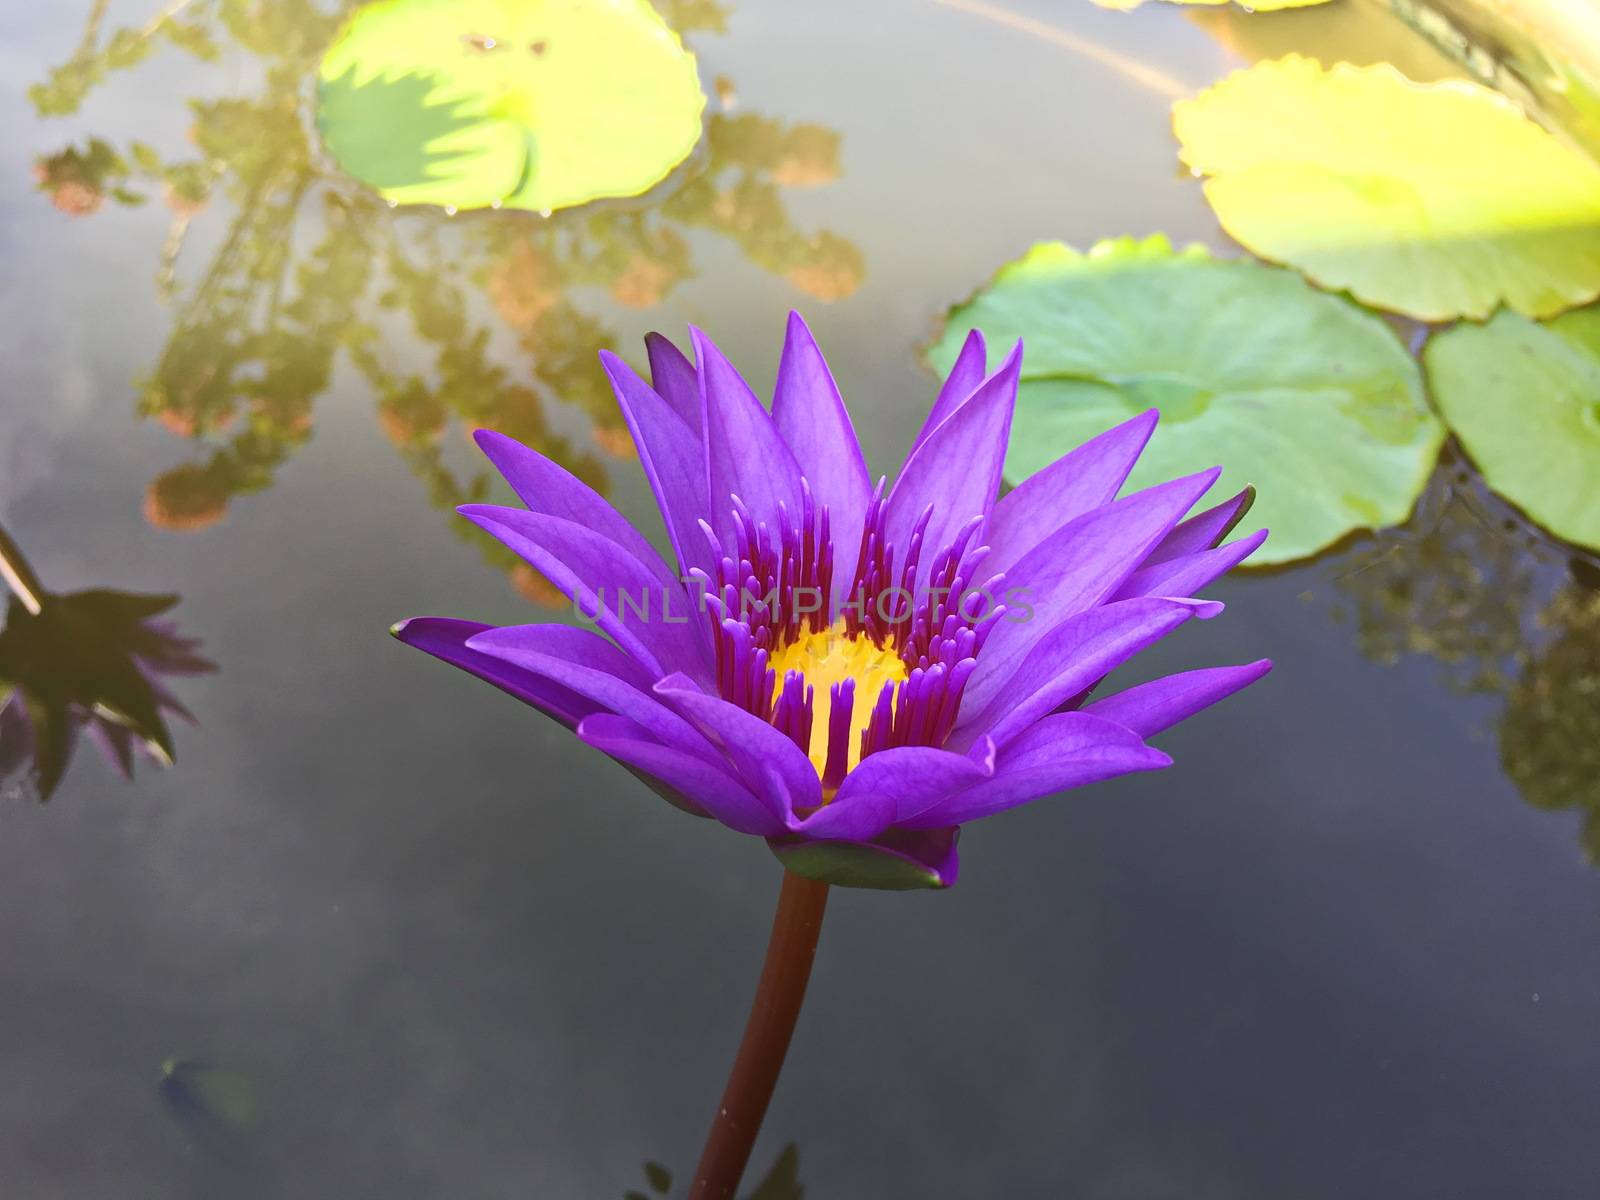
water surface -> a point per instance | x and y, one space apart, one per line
1339 951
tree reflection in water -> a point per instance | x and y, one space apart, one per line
314 269
1453 583
1547 734
1507 613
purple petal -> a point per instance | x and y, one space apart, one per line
446 638
570 643
969 370
861 819
169 702
1080 482
1075 568
674 378
745 456
888 786
115 743
897 861
913 778
813 421
607 586
547 487
1074 656
753 746
172 654
572 658
673 459
1205 530
705 784
1151 707
956 469
1062 751
1191 573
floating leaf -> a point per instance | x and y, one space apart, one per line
1298 392
1329 34
1524 400
390 133
1437 200
1253 5
535 104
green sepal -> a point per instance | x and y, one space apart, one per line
858 865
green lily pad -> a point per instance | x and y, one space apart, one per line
534 104
1298 392
1437 200
1524 400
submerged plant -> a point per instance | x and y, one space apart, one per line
849 671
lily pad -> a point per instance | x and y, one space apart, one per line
534 104
1436 200
1299 392
1524 400
1253 5
1328 34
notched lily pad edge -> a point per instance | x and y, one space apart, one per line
680 173
672 177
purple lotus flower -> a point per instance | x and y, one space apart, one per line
848 670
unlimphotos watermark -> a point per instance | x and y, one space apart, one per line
893 605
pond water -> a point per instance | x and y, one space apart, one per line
1349 946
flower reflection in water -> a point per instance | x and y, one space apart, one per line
313 269
90 662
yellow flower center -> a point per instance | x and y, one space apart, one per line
831 657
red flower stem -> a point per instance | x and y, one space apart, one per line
779 994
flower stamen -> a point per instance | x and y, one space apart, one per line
825 661
886 661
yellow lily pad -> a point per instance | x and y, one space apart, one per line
535 104
1331 33
1253 5
1436 200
